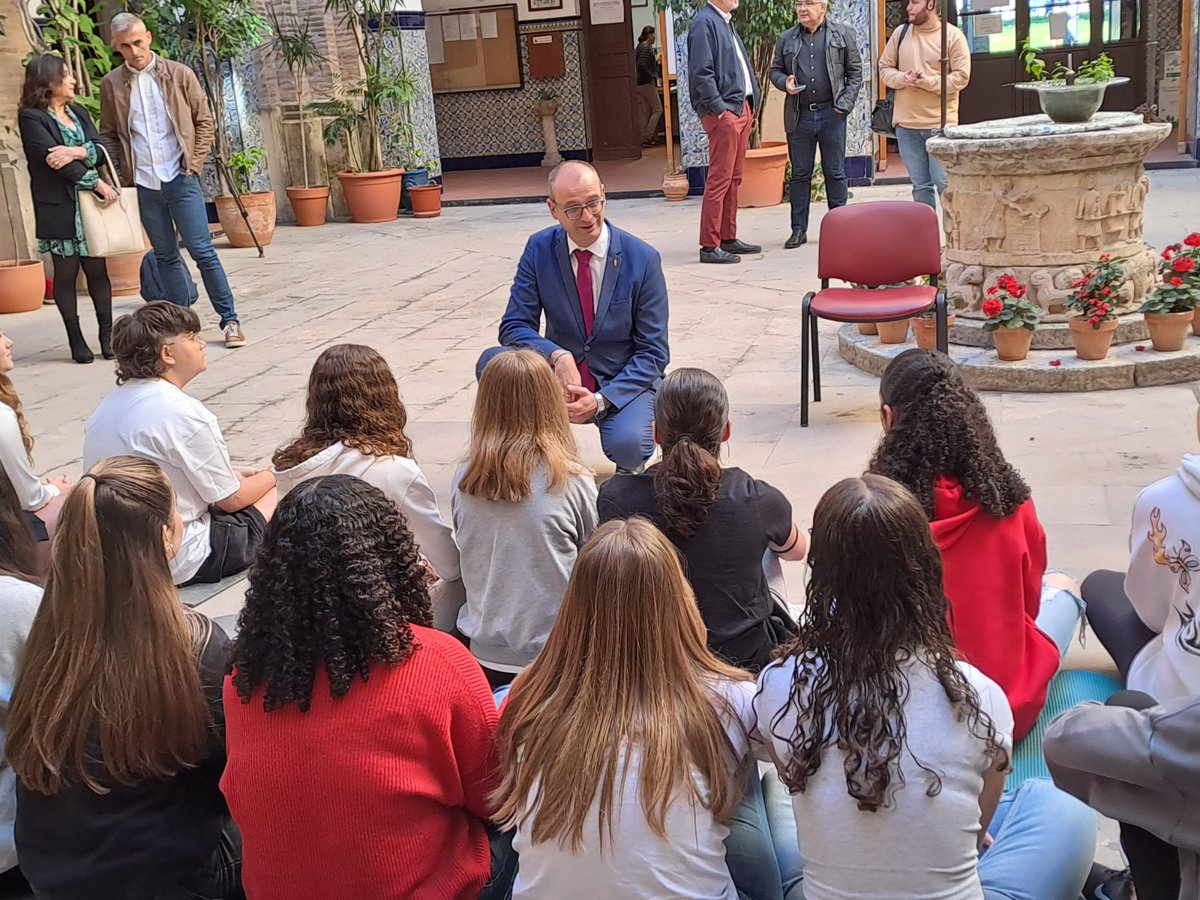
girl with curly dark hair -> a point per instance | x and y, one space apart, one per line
354 425
893 750
729 527
1009 617
361 740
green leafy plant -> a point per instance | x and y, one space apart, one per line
242 164
1095 296
295 46
71 32
1095 71
1007 305
1180 271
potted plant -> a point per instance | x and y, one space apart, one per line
892 332
1068 95
924 326
675 184
259 205
22 281
355 116
1095 294
296 48
1171 307
1011 318
546 103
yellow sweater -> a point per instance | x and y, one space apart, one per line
919 105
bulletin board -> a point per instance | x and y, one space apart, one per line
474 49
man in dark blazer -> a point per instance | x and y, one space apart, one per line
818 66
604 298
725 94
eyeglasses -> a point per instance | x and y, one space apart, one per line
194 338
574 213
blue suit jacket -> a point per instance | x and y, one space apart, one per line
627 349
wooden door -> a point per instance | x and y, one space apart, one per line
608 50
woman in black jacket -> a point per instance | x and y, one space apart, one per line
62 147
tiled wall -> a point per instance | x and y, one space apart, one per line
503 123
412 52
241 126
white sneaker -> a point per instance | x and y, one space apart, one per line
234 336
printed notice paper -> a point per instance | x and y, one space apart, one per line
487 26
466 27
433 40
450 28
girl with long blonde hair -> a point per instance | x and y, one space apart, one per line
116 732
523 504
624 745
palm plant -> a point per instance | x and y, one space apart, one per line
296 48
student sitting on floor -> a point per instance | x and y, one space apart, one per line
40 500
224 507
1010 619
894 751
523 504
625 743
354 425
361 741
115 732
727 525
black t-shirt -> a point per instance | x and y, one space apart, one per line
132 843
723 559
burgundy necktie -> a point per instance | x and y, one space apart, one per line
583 284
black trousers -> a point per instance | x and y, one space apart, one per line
1113 618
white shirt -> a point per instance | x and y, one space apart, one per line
638 864
31 490
599 251
150 417
925 844
737 48
157 153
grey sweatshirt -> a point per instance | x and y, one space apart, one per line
1136 766
516 559
18 605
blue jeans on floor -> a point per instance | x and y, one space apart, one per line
180 206
925 172
748 848
1059 616
825 128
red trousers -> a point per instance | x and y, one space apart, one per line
728 137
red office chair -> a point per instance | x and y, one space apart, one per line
871 243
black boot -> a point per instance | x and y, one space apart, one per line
105 323
80 352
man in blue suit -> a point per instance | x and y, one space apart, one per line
604 298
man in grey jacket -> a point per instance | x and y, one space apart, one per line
818 66
1140 766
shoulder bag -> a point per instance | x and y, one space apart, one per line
116 228
881 115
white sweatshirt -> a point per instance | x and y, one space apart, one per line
1163 584
31 490
403 481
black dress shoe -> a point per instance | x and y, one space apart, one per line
799 236
741 248
717 255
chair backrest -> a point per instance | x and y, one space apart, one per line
885 242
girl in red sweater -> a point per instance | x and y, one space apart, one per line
1010 619
360 740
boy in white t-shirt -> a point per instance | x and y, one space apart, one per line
224 507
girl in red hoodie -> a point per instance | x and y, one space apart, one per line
1010 619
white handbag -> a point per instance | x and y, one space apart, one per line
116 228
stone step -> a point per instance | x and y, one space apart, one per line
969 332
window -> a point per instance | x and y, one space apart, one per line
1059 23
989 25
1122 20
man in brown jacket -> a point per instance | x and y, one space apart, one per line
155 121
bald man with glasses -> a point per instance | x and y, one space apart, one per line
602 293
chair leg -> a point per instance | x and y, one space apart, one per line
942 322
804 337
816 357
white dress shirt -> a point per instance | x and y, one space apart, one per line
599 251
737 48
157 154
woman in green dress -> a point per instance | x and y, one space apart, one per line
62 147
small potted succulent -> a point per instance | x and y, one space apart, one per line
1011 318
1068 95
1171 307
1094 321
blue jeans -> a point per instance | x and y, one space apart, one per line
1059 616
825 128
925 172
180 206
748 848
1044 842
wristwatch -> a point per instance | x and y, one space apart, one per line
601 406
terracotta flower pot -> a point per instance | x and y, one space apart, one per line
868 328
426 200
372 196
925 330
125 273
675 187
1012 344
1169 330
1092 343
893 332
22 284
762 175
309 204
260 210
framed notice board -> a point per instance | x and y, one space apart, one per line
474 49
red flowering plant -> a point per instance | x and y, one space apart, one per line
1007 305
1180 271
1095 294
